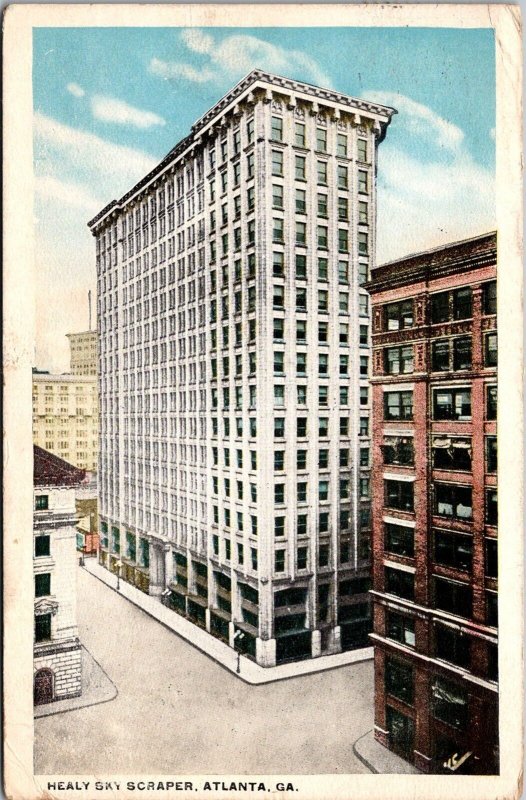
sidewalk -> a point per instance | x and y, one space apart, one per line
379 759
250 672
96 688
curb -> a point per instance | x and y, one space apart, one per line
214 658
83 705
360 757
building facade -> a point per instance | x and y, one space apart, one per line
66 417
234 341
83 353
434 488
57 655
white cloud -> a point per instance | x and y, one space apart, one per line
110 109
420 120
112 168
423 205
170 70
75 90
70 194
196 40
237 55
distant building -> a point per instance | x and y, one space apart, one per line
234 341
66 417
434 490
87 526
83 353
57 657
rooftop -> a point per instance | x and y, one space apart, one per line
460 256
50 470
248 83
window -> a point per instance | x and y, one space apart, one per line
278 328
398 360
399 680
323 364
491 453
323 269
399 494
323 236
364 426
363 244
277 195
301 298
341 145
451 305
278 296
301 528
491 507
279 362
276 129
364 335
279 526
301 363
490 350
363 181
301 459
398 316
323 522
450 703
321 171
323 490
399 539
302 395
322 205
491 564
323 555
451 452
491 402
301 558
453 549
279 497
301 233
41 502
254 558
323 300
452 646
300 201
277 163
299 168
493 662
452 404
343 243
277 229
42 545
279 561
299 134
401 629
323 426
43 584
453 500
302 492
343 272
343 177
490 297
301 330
398 450
279 460
452 596
301 426
321 139
279 427
398 405
400 583
492 610
42 627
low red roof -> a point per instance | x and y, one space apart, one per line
50 470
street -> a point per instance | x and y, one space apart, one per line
177 711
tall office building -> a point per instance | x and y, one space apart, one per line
435 506
234 341
83 352
65 417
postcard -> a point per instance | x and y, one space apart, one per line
263 401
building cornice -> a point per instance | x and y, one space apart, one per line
255 81
440 262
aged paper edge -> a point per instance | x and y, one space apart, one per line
19 338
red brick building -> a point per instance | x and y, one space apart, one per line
434 508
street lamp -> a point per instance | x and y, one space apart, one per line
118 565
239 635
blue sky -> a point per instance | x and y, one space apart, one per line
110 102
